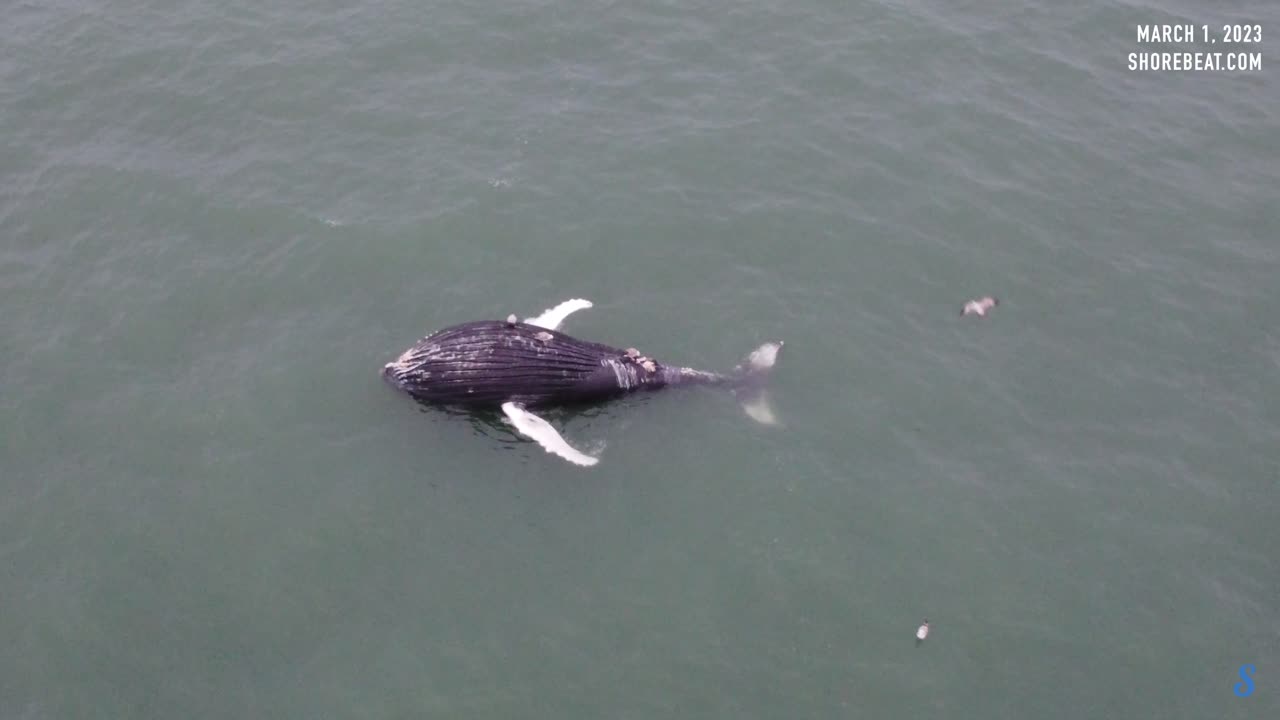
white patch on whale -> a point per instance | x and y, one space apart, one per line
623 373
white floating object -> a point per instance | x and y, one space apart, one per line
979 306
923 631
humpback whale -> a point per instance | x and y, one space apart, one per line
517 365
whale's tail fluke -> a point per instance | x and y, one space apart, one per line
759 361
749 382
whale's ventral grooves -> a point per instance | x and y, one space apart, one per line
510 365
491 362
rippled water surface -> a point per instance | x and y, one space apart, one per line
218 221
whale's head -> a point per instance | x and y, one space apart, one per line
405 369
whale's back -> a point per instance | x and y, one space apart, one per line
491 362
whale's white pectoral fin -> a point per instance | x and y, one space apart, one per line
541 432
551 319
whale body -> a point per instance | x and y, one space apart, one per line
515 365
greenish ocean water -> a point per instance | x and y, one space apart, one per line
219 220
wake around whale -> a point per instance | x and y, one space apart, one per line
516 366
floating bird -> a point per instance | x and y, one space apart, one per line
922 632
979 306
